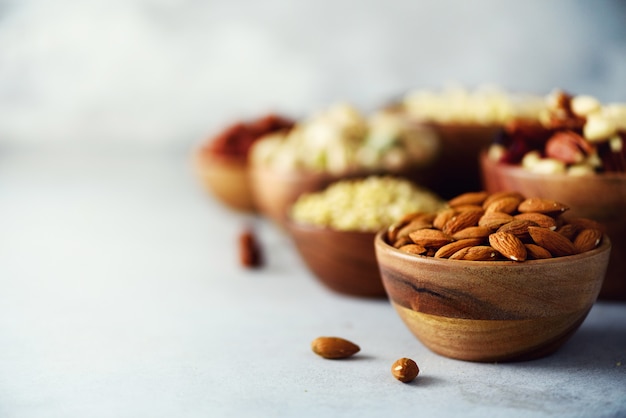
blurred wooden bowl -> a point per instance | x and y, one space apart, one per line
226 178
457 170
601 197
273 192
489 311
343 261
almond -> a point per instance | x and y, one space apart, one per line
405 370
469 198
517 227
565 146
467 208
587 240
540 219
569 231
508 245
442 217
449 249
409 217
499 195
400 242
417 218
586 223
544 206
414 225
461 221
430 238
507 204
536 252
494 220
476 253
413 249
480 232
250 254
334 347
552 241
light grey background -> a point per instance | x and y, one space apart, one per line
120 290
168 72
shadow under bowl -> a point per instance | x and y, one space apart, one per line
492 311
343 261
226 178
601 197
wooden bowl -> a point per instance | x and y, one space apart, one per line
274 192
457 170
343 261
225 177
489 311
600 197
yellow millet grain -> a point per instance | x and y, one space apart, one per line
367 204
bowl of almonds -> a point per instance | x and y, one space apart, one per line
493 277
577 154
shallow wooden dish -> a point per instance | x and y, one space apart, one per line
226 178
489 311
601 197
343 261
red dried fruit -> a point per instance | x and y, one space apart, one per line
237 139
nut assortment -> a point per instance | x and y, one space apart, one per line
342 140
478 226
574 135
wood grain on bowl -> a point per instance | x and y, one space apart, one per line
492 310
225 177
274 191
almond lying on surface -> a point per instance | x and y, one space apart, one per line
334 347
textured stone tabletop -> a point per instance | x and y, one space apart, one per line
121 296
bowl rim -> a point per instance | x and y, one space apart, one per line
308 227
202 154
520 172
381 244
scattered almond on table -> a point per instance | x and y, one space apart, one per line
334 347
250 254
405 370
